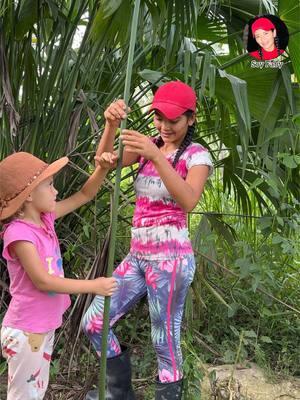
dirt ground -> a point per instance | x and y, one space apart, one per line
248 383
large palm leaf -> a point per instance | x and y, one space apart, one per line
245 116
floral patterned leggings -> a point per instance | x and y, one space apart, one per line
166 284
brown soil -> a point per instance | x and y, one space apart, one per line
248 383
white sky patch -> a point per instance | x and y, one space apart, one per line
80 30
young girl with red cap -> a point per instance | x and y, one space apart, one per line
171 177
264 32
39 291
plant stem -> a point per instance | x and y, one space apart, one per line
114 215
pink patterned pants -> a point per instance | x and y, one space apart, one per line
28 357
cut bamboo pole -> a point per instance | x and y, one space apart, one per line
114 213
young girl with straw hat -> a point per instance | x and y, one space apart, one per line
39 291
171 177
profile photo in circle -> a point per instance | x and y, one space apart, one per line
267 37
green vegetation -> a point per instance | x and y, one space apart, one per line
244 302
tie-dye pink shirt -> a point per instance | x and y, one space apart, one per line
159 229
30 309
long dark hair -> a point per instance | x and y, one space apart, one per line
181 149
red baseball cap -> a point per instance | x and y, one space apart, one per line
262 23
173 99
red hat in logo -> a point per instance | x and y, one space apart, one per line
173 99
262 23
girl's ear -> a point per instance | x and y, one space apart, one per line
29 198
274 33
192 119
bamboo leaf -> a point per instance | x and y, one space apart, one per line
109 7
215 293
291 161
150 75
27 16
286 75
239 88
289 12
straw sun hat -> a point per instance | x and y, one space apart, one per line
20 173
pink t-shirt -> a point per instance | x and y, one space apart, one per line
30 309
159 230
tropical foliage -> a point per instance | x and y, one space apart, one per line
62 62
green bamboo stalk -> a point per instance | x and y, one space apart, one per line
114 215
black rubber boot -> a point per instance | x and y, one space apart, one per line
118 378
169 391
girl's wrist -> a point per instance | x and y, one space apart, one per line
112 125
157 158
103 169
